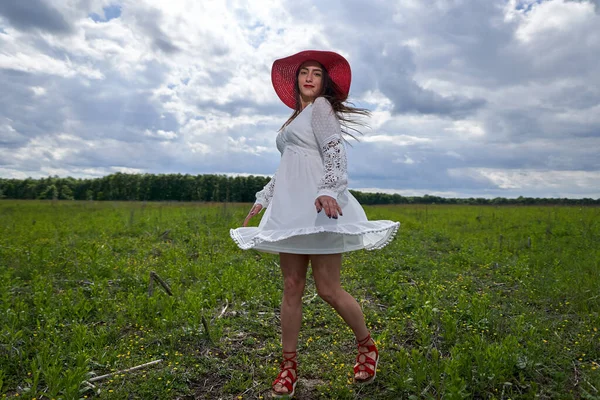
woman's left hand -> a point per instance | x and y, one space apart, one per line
330 205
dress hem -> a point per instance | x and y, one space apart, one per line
257 240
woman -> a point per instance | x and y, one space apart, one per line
310 214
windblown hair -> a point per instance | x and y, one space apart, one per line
342 108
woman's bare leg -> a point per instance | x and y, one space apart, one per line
293 268
326 272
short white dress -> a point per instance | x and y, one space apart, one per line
313 163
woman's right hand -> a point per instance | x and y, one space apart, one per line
253 211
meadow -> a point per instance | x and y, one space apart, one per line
468 302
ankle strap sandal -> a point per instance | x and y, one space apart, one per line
287 377
364 363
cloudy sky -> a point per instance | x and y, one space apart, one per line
468 97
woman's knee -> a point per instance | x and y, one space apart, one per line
329 293
293 286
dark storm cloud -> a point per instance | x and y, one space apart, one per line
148 20
245 107
429 166
546 124
380 60
430 174
34 14
476 44
392 71
164 44
104 110
473 39
31 116
523 125
115 109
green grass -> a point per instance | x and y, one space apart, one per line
467 302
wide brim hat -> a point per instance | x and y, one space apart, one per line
284 71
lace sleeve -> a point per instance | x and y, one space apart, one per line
266 194
327 130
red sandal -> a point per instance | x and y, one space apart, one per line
286 378
365 363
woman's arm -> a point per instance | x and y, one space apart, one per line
263 198
328 133
266 194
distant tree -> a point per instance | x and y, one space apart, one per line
218 188
187 188
65 193
50 193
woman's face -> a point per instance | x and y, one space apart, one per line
310 80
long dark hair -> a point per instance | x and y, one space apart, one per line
342 108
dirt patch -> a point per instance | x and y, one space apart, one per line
307 389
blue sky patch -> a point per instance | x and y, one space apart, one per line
527 5
110 12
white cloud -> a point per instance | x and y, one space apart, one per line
241 146
38 90
399 140
160 134
466 128
405 160
552 19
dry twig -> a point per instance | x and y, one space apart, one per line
224 308
154 276
102 377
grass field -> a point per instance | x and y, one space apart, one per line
467 302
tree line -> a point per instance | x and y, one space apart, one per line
211 188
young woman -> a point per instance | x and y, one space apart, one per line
311 217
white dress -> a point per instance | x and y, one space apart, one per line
313 163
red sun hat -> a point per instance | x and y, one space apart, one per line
283 73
